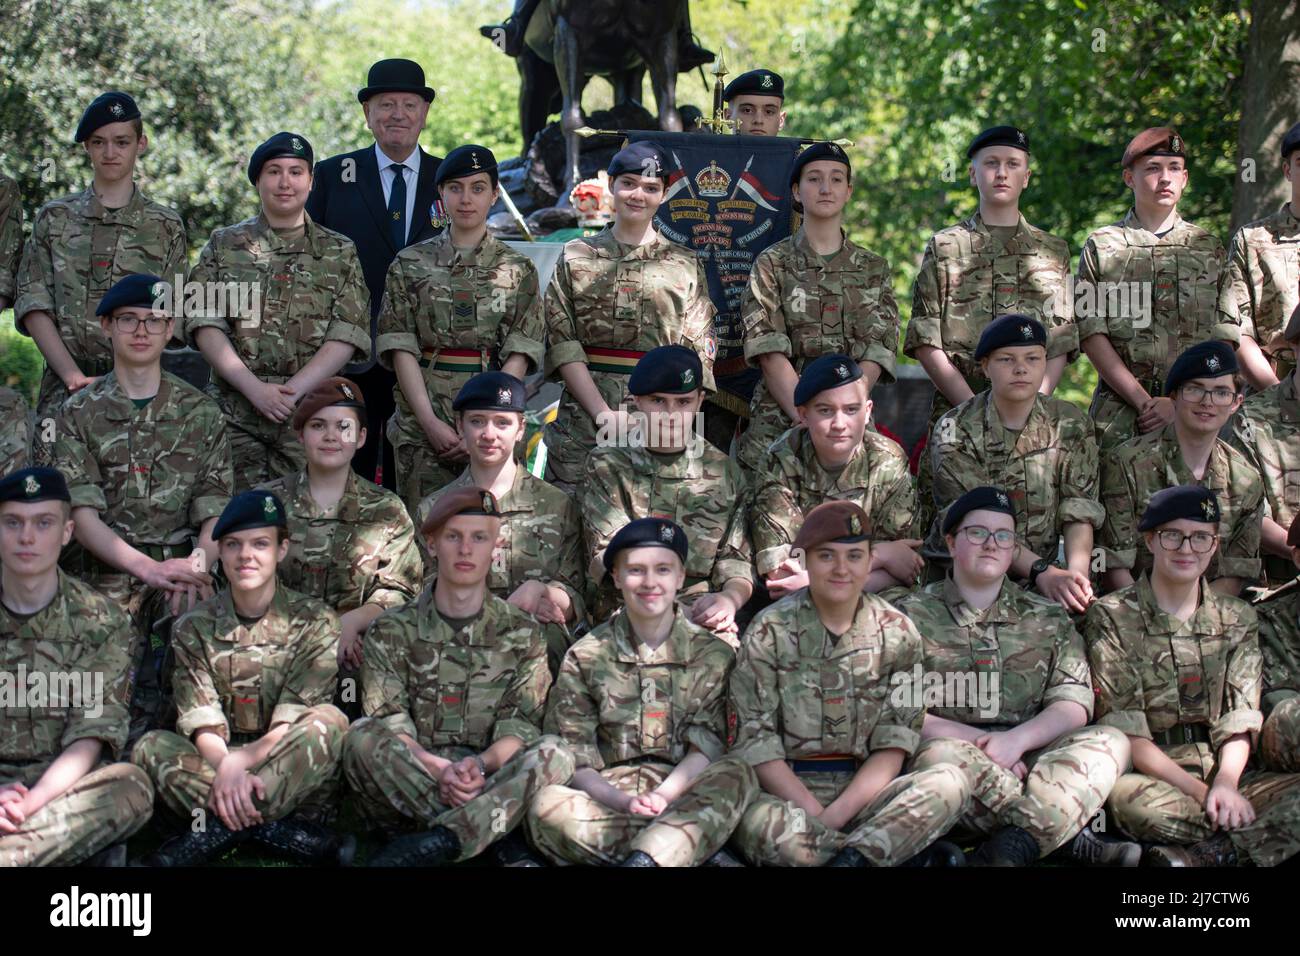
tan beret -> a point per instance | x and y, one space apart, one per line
841 521
1157 141
333 391
461 501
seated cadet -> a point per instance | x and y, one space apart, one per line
1206 390
15 432
61 799
756 103
641 703
1266 430
1176 666
537 564
1038 449
811 294
1013 697
453 306
1279 643
816 713
256 735
833 455
351 543
454 685
666 469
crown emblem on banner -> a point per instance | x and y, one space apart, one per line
712 180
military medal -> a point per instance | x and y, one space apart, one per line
438 217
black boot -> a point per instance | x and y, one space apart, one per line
1216 851
723 858
514 851
195 849
1100 849
1010 846
849 857
940 853
114 855
436 847
637 858
307 842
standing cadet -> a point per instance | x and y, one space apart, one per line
1039 449
256 735
1279 643
669 471
537 564
1204 389
615 296
15 432
455 687
812 294
833 456
454 305
351 543
641 704
817 713
756 103
1156 284
61 800
1264 269
11 239
298 312
82 244
1267 431
1176 666
1015 696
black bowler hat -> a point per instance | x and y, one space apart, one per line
396 76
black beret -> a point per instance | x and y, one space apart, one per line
1157 141
984 498
643 532
490 392
459 501
826 371
673 369
1291 141
466 161
1010 329
281 144
816 151
1193 502
998 136
843 522
139 289
34 484
111 107
335 390
1202 360
396 76
640 159
757 82
250 509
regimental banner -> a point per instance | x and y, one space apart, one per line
728 198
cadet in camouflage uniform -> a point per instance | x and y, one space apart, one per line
15 432
1204 387
351 543
454 305
615 296
11 239
61 799
1279 642
1266 430
1148 287
815 711
455 687
812 294
1264 270
537 564
641 703
670 471
1177 667
1038 449
835 456
256 735
306 315
1014 695
82 244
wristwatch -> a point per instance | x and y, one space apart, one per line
482 767
1037 568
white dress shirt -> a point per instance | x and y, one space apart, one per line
412 176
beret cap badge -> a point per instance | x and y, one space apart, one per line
855 524
504 396
841 371
1003 500
31 485
268 505
666 533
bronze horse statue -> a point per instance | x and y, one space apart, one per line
566 42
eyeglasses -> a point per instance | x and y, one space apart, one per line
1201 541
978 534
128 324
1222 397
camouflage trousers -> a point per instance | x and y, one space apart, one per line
1067 783
104 807
260 450
420 472
1114 421
570 826
909 813
395 789
303 761
1153 811
1279 740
